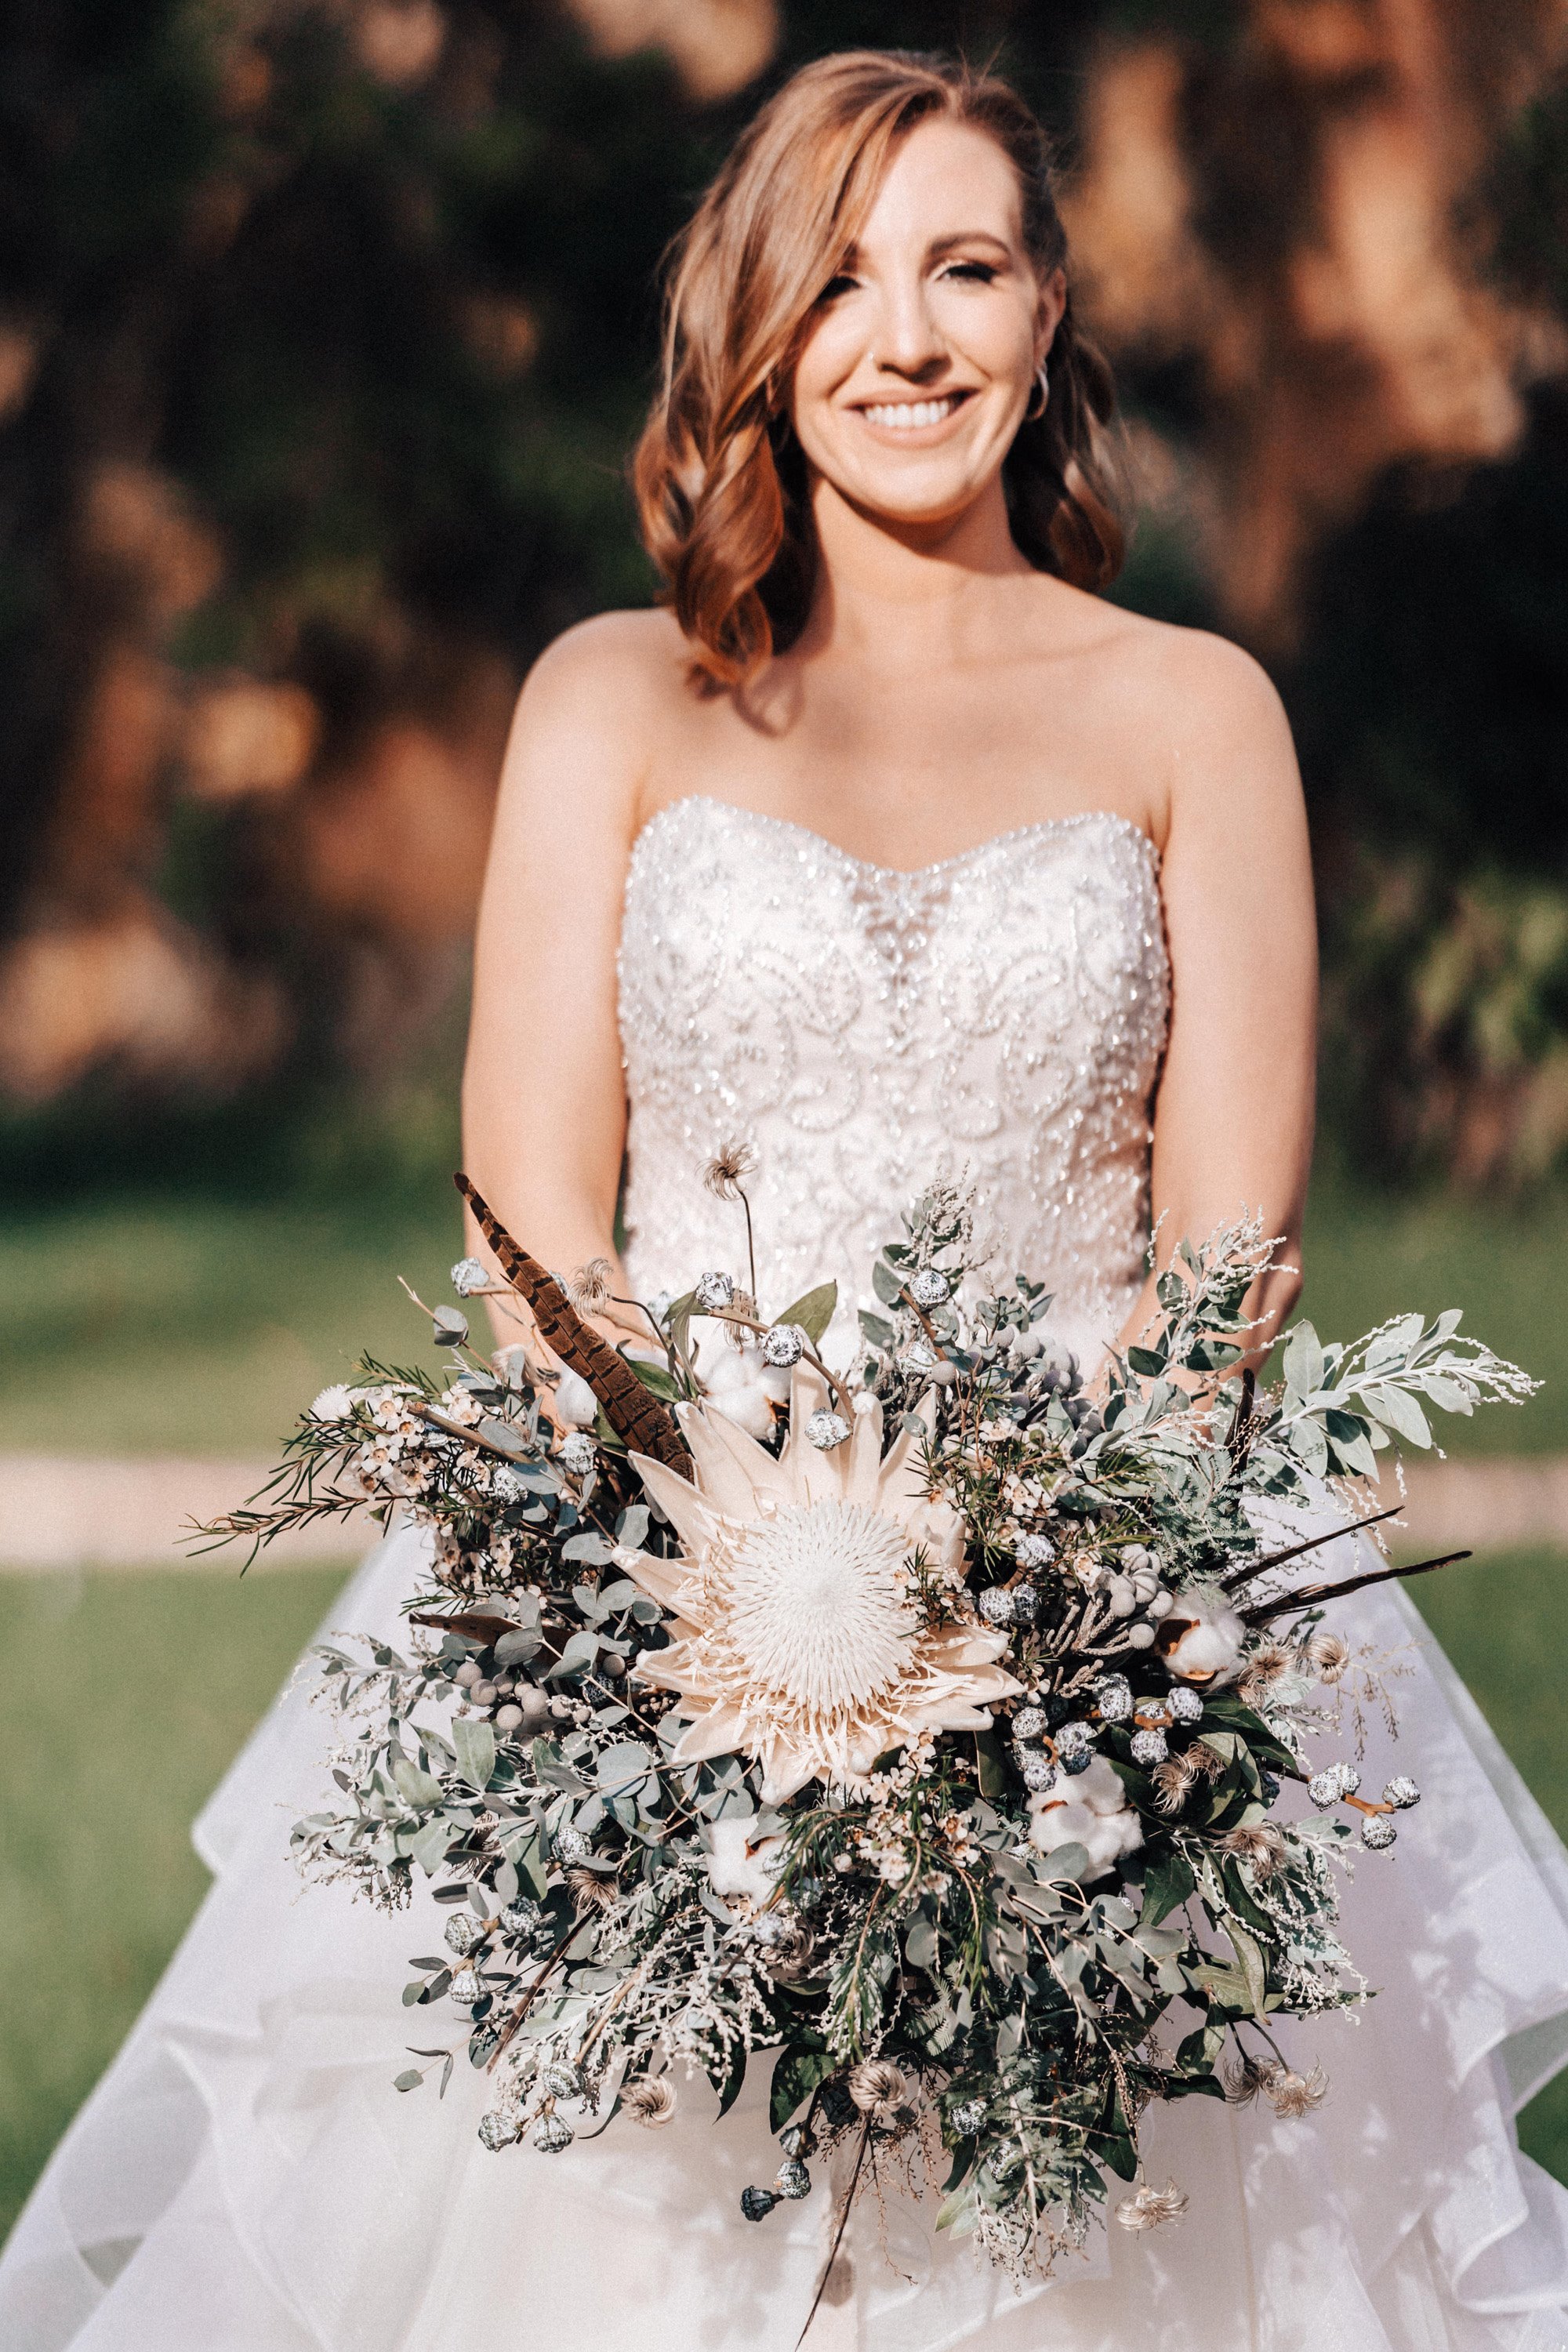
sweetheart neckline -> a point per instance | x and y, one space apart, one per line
901 873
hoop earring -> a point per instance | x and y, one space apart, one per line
1043 392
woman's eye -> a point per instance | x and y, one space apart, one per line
842 284
976 273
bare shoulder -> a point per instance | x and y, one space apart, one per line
1217 713
1213 687
619 663
591 713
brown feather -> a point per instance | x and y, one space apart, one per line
643 1424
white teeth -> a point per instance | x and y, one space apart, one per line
908 415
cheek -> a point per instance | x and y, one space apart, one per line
826 357
997 337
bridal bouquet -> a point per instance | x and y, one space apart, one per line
948 1734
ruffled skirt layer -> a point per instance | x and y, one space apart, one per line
244 2179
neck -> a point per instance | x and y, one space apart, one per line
882 583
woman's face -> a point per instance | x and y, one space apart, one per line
920 358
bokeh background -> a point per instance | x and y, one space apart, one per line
324 328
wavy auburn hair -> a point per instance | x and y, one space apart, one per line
719 474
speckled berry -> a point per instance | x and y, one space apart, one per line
1113 1696
496 2132
1150 1746
578 1454
792 2179
824 1430
1186 1704
930 1287
756 2204
714 1290
1401 1792
1378 1832
783 1346
552 2133
967 2118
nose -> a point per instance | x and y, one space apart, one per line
908 341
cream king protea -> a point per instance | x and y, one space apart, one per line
803 1636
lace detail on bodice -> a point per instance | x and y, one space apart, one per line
1002 1013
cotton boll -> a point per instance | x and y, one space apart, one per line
1201 1638
745 1389
739 1869
576 1406
1094 1815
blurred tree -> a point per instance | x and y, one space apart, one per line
324 327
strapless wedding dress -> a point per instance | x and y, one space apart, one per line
245 2181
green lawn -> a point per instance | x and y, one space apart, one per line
167 1672
125 1696
204 1326
1367 1258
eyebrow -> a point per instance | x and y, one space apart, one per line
969 236
944 244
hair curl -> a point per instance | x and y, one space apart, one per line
718 475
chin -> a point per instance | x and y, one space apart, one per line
910 497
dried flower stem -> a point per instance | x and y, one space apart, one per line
838 2232
1262 1610
1251 1568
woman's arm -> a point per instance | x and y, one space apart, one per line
543 1099
1234 1112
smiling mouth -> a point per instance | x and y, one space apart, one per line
911 415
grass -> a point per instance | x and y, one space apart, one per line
1366 1258
202 1326
125 1696
148 1683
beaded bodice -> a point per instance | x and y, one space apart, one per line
1001 1014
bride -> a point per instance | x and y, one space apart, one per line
890 848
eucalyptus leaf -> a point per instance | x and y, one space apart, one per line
421 1788
815 1311
474 1742
1398 1411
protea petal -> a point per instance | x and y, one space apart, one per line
718 1733
663 1578
732 1468
863 1473
694 1520
815 1475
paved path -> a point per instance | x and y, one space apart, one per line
60 1512
57 1512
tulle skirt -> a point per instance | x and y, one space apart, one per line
245 2179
